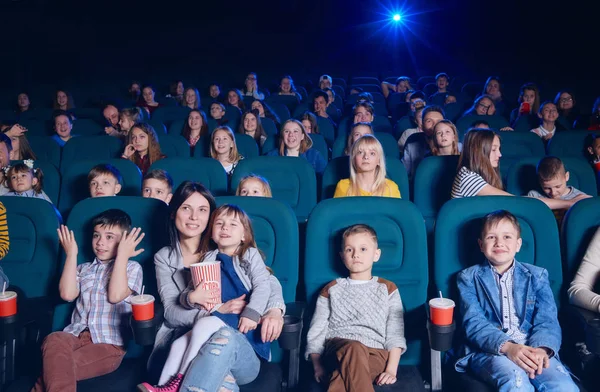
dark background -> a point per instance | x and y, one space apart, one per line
78 44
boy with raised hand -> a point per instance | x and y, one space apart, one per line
356 336
509 316
93 344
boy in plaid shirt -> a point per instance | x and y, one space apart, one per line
93 344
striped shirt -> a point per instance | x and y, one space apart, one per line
467 184
108 323
510 318
3 232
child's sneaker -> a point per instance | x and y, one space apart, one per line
171 386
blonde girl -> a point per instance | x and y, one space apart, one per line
445 139
24 180
142 147
224 149
254 185
367 172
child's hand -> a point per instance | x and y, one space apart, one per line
129 242
319 372
67 240
202 297
129 150
523 356
246 325
543 359
386 378
109 130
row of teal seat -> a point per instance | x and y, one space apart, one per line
33 262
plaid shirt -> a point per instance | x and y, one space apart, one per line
108 323
510 318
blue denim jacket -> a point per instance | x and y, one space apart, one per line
482 316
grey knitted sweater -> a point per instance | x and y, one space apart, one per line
370 313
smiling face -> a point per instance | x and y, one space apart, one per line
292 136
63 126
252 187
233 98
228 232
195 121
549 113
500 244
495 153
214 91
156 189
250 123
139 139
565 101
359 253
286 85
192 216
361 114
22 181
444 135
62 99
190 98
442 83
222 142
320 104
105 242
104 185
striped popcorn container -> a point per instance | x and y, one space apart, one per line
209 273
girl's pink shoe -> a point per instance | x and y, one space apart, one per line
171 386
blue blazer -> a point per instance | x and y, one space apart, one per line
480 309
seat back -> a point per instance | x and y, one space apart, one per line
389 144
175 146
176 127
458 227
522 176
433 184
45 149
149 214
326 129
320 145
87 127
36 128
339 168
246 145
207 171
292 180
579 226
464 123
568 143
31 263
75 187
403 244
169 114
99 148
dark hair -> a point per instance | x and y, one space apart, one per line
588 144
6 140
70 101
312 119
549 167
442 75
357 89
557 98
160 175
479 122
58 113
260 131
418 94
497 79
327 89
23 168
106 169
173 87
433 108
319 93
187 130
493 218
181 194
113 217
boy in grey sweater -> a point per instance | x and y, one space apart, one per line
356 336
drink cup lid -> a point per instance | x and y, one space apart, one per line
441 303
7 295
143 298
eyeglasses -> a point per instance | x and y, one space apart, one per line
564 100
485 107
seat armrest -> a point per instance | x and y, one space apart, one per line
144 332
290 339
591 323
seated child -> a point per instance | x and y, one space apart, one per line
94 344
24 180
158 184
356 335
553 178
548 115
509 316
243 274
254 185
63 125
104 180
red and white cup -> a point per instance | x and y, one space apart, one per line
142 307
209 273
525 108
441 311
8 304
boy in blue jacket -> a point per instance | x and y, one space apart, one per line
509 316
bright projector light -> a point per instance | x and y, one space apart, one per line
397 17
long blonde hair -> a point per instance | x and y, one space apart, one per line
234 155
379 186
476 156
435 149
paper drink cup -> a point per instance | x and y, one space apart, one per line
209 273
441 311
8 304
142 307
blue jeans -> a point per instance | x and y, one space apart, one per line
226 360
504 375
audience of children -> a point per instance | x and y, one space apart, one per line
367 172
